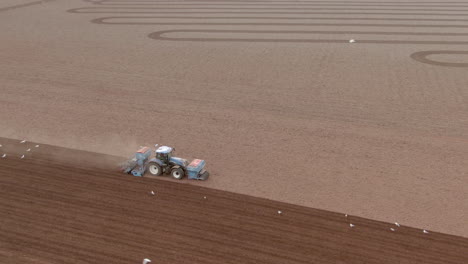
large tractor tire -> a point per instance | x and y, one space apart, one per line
177 173
154 169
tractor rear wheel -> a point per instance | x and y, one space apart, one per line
177 173
154 169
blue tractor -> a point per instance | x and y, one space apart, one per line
164 163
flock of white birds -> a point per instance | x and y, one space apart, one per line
22 156
346 215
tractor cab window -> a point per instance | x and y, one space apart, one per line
163 156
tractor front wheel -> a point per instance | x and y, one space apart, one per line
154 169
177 173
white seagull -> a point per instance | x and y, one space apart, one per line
397 224
37 146
4 156
23 141
22 157
351 225
279 212
346 215
204 197
425 231
352 41
393 229
152 192
28 150
0 145
146 261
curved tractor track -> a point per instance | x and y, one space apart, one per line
65 206
425 15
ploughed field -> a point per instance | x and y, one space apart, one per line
66 206
271 94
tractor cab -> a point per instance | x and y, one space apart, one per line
164 154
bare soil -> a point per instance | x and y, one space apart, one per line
58 212
271 94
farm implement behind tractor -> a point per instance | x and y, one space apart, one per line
164 163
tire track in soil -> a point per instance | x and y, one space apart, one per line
104 218
268 7
8 8
158 35
102 19
79 11
421 56
201 3
272 1
210 7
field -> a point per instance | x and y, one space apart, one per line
54 211
272 94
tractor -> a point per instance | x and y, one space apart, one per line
164 163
